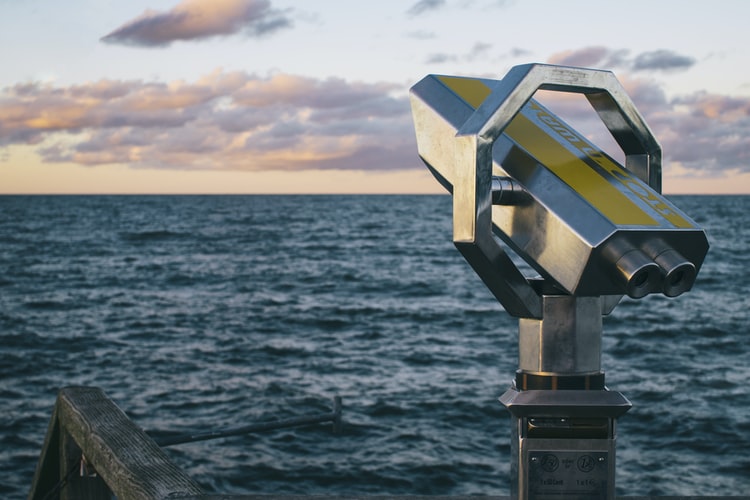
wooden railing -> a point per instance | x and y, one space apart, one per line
94 451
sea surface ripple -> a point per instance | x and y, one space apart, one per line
204 312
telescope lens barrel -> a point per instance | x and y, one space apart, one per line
640 274
679 274
651 267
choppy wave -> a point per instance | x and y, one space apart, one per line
201 312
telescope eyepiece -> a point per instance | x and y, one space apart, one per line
638 273
678 273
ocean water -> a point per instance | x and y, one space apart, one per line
204 312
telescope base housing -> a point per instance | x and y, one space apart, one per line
563 443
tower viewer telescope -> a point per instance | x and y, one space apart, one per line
594 230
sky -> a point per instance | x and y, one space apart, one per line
283 96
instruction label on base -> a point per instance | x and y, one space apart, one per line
572 475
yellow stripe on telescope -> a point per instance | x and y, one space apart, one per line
571 169
471 90
586 181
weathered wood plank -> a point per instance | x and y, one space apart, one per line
131 464
129 461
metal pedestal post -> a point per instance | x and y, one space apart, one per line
563 419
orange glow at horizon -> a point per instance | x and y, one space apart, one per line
21 172
24 173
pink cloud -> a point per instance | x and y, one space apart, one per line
603 57
587 57
242 121
220 121
199 19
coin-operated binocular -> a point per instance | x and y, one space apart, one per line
593 230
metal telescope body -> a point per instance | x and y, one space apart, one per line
593 230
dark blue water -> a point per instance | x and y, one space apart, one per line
203 312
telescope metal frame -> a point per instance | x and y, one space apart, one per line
472 189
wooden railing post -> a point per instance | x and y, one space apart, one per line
47 474
82 479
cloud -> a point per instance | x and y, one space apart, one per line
479 51
421 35
242 121
199 19
441 58
704 132
590 57
221 121
662 60
423 6
518 52
603 57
